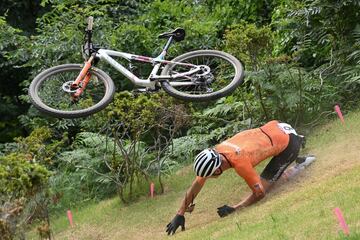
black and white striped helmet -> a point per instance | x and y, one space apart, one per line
206 162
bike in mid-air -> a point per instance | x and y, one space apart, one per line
79 90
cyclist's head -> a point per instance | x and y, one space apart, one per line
206 162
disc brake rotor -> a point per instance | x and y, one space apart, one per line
67 87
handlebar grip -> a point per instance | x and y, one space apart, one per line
90 23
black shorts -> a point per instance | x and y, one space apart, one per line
277 165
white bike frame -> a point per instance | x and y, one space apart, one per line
157 62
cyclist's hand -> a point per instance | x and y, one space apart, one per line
225 210
177 221
190 208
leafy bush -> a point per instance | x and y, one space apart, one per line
19 177
129 149
252 45
276 87
24 191
323 37
20 181
79 174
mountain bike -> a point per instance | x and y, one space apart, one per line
79 90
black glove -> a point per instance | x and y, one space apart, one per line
177 221
225 210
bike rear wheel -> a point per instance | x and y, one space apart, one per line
50 92
226 74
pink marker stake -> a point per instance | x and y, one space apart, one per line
338 111
341 220
152 187
69 215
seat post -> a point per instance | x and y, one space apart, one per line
168 43
166 47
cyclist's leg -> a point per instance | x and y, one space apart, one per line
278 164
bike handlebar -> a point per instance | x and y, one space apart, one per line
90 23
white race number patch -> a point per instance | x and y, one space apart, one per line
287 128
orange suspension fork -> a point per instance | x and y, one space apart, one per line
85 82
84 78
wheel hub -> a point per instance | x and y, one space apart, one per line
67 87
205 77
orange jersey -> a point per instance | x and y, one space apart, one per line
248 148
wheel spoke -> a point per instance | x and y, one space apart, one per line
53 95
221 74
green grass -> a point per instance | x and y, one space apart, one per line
298 209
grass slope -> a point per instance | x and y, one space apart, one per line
299 209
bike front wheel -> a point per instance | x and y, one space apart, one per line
225 74
50 92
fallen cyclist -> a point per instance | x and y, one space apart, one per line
243 152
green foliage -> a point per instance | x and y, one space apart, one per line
250 44
76 180
202 29
129 149
351 72
22 14
141 112
12 54
134 112
276 87
134 38
97 168
23 186
209 126
231 11
291 94
19 177
22 171
322 36
143 128
186 147
39 147
320 30
227 113
11 44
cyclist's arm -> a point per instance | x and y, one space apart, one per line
253 197
190 195
257 185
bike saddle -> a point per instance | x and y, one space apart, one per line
178 34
